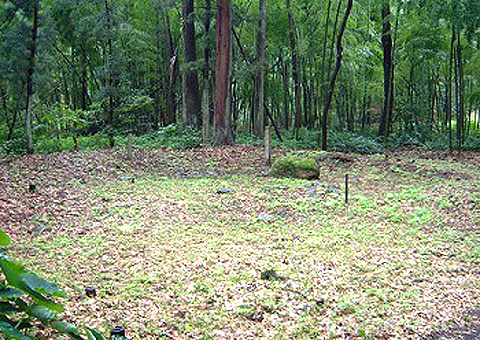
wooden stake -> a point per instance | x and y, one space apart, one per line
129 146
346 189
268 145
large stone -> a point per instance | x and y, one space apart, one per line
295 167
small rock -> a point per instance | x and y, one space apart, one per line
127 178
219 334
270 274
90 291
263 216
38 229
224 191
263 174
332 187
312 192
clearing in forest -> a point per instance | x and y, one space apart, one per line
199 244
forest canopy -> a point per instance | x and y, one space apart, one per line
77 74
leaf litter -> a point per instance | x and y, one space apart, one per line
171 257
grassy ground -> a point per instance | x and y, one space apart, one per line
175 243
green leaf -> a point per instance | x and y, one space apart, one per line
65 327
41 286
4 239
7 308
11 332
93 334
42 313
10 293
15 277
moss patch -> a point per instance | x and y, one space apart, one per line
294 167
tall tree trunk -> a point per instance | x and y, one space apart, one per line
449 94
223 133
324 50
461 93
387 44
295 68
110 78
170 116
30 71
286 95
206 88
259 94
191 95
338 64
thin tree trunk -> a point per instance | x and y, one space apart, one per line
222 73
30 71
191 95
286 94
338 64
172 71
206 88
461 94
387 70
324 50
110 78
259 94
449 91
295 68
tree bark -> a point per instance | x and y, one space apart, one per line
387 44
30 71
338 64
110 78
295 68
461 93
223 133
259 95
206 91
191 95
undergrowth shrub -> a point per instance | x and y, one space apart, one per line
172 136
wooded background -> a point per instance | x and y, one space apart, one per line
409 69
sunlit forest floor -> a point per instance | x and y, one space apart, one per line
177 243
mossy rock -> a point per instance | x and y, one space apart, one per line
294 167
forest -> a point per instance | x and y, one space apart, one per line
385 73
248 169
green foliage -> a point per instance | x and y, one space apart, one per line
344 141
27 300
172 136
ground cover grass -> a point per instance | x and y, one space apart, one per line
176 242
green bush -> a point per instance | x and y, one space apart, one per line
172 136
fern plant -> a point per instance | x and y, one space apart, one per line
26 302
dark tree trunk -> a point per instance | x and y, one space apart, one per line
295 68
30 71
191 95
259 94
223 133
172 100
387 44
286 94
206 95
338 64
461 94
449 91
110 78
